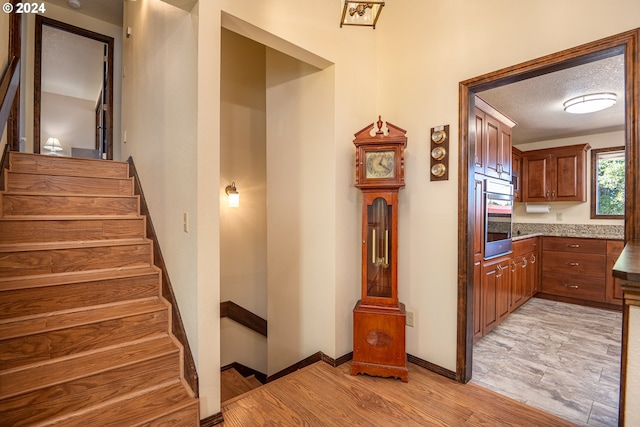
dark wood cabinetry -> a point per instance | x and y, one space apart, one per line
503 284
516 173
492 152
555 174
613 291
579 270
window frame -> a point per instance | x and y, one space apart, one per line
594 179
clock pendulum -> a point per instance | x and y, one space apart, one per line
378 317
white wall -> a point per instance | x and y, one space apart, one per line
425 48
572 212
243 230
26 86
71 120
159 115
301 210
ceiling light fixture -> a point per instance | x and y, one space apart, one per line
590 103
361 13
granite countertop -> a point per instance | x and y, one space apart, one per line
582 231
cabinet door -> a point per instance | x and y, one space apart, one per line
495 293
478 148
503 290
492 150
534 178
569 177
477 300
504 152
516 172
613 291
518 281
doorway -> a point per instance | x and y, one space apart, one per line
92 93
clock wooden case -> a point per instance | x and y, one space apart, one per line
378 317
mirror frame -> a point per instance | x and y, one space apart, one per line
626 43
37 77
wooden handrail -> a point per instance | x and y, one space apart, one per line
177 327
243 316
8 89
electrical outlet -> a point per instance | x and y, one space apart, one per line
558 216
409 320
185 222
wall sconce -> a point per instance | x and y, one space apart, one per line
364 14
234 196
53 145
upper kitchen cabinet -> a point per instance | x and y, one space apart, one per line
492 153
555 174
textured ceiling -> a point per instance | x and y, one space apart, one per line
72 65
536 104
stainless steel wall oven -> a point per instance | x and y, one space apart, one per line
498 217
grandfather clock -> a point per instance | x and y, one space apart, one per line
379 318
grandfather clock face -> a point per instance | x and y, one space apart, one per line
380 164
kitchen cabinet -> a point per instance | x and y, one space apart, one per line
492 152
613 291
516 173
574 268
524 272
495 292
555 174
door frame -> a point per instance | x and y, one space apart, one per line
37 78
626 43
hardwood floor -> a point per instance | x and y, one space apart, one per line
320 395
561 358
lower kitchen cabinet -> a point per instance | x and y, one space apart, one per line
579 270
495 292
503 284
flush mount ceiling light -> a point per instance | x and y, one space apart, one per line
361 13
590 103
75 4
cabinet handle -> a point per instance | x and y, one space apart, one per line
573 246
524 262
547 195
572 264
499 271
553 195
533 258
513 269
571 286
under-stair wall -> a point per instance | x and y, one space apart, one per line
85 335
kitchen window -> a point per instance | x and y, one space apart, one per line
607 183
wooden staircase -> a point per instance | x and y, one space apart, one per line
233 384
84 331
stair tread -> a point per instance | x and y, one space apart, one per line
45 246
32 377
233 384
24 282
135 410
51 322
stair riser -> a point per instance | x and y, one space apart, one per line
45 346
76 259
32 231
35 406
34 206
39 300
36 183
30 163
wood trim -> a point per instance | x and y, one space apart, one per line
316 357
245 371
37 77
15 51
8 89
212 420
432 367
626 43
243 316
177 327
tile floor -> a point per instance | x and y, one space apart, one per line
561 358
